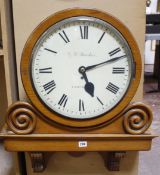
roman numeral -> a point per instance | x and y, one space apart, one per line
84 32
118 70
64 37
113 52
81 105
63 100
46 70
112 88
101 37
50 50
100 101
49 86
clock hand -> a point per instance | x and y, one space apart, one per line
89 87
105 62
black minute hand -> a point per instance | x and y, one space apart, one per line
105 62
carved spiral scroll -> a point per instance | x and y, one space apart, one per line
21 118
137 118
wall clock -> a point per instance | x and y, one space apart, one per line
80 69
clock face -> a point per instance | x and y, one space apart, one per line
81 67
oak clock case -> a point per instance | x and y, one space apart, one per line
81 68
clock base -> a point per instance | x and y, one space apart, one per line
26 130
41 146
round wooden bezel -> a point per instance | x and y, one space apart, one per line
26 77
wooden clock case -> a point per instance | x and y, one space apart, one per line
34 131
27 80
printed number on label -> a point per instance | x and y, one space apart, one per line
82 144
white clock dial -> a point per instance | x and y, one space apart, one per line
81 67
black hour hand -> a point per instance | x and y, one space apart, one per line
89 87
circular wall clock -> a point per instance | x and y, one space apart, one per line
81 67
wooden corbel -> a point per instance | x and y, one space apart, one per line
113 159
39 160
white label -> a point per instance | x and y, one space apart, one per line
82 144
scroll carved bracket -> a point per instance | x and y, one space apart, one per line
113 160
21 118
137 118
39 161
